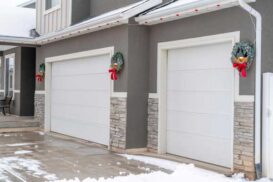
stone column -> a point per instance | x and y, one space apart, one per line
244 139
152 124
39 108
118 119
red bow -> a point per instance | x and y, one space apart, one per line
113 72
39 77
241 68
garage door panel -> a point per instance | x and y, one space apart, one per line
200 148
83 113
193 123
81 98
81 82
200 80
81 66
205 57
89 132
200 102
200 91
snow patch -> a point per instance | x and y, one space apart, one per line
19 144
14 164
165 164
182 173
21 152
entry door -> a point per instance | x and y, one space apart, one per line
80 98
200 101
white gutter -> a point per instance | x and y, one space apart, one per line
104 21
258 17
185 10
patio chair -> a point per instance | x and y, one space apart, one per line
5 103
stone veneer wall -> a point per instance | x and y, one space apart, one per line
118 123
244 139
152 143
39 108
243 135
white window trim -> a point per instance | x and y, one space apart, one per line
162 75
5 74
54 8
48 62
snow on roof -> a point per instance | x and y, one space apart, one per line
183 8
17 21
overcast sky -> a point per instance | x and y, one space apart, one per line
11 3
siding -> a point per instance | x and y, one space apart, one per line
53 20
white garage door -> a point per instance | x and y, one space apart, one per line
80 105
200 103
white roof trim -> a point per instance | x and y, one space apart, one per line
171 13
27 3
107 20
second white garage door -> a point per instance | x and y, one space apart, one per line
80 98
200 103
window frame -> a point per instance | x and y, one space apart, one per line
7 90
54 8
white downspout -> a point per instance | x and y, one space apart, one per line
258 80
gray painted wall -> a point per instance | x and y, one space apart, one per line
228 20
84 9
138 87
98 7
117 37
80 10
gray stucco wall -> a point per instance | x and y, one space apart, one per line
80 10
98 7
117 37
138 86
224 21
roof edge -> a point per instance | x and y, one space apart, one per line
92 25
186 10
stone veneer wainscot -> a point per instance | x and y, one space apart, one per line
243 154
39 108
118 123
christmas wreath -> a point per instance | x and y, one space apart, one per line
243 55
116 65
41 75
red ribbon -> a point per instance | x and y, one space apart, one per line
39 77
113 72
241 68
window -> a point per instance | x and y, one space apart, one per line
9 75
51 4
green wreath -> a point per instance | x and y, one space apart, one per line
243 52
117 61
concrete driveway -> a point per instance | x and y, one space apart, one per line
33 156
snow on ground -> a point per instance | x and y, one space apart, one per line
19 144
182 173
21 152
14 164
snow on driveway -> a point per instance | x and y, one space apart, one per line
13 165
182 173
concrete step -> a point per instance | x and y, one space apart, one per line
19 124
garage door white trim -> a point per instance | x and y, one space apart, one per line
48 78
162 75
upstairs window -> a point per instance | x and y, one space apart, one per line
51 4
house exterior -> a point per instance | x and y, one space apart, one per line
177 93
